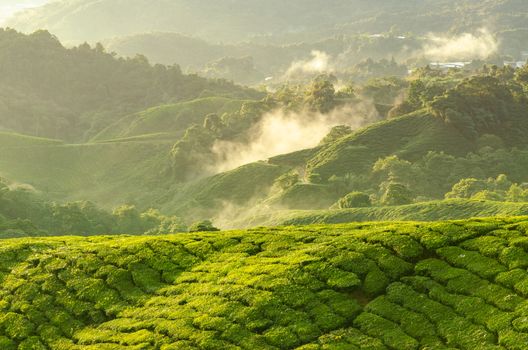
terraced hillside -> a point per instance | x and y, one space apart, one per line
102 172
449 209
168 121
446 285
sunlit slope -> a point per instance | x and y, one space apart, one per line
451 209
228 193
107 173
134 166
447 285
409 137
169 121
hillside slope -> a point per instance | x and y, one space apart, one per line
106 173
447 285
450 209
72 94
409 137
169 120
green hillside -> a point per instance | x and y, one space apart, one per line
451 209
444 285
108 173
410 137
72 94
171 120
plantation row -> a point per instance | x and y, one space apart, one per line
450 285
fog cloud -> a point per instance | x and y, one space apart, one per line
9 8
465 46
318 63
281 132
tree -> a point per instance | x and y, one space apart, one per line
321 96
354 200
488 195
396 194
517 194
336 133
128 220
287 180
501 183
213 123
466 188
203 226
393 169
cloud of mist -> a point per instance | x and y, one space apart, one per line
10 8
318 63
465 46
280 132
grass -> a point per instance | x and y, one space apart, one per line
405 285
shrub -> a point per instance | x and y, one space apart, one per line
354 200
281 337
396 194
375 282
203 226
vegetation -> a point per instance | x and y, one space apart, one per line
72 94
25 212
378 286
123 173
452 209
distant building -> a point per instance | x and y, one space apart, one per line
448 65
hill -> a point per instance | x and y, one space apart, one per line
106 173
457 285
73 94
80 20
451 209
171 120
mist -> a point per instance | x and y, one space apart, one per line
281 132
9 7
466 46
319 62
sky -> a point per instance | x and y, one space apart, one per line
10 7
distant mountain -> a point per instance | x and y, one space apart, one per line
236 20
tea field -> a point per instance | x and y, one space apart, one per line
404 285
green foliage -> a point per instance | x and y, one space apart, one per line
466 188
321 96
24 212
336 133
481 105
371 286
73 94
354 200
203 226
396 194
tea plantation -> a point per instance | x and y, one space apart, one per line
442 285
